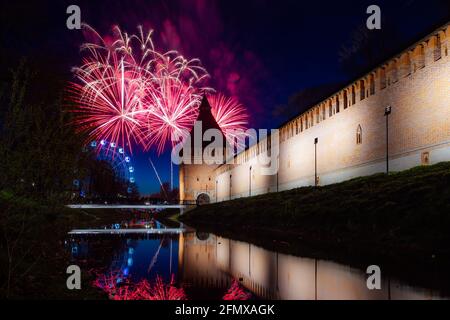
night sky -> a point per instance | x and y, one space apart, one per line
262 52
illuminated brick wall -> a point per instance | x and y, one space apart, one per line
351 127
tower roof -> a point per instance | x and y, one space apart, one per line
208 122
206 117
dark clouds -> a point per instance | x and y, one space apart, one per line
196 29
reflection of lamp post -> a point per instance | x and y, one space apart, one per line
316 141
250 181
249 259
387 112
278 172
170 261
230 186
216 191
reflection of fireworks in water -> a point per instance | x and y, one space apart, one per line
236 292
119 288
230 115
162 291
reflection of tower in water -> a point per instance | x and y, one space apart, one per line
210 262
197 265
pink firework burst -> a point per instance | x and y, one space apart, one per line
172 111
231 116
109 92
129 93
172 97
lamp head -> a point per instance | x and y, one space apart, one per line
387 110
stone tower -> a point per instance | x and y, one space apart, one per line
197 181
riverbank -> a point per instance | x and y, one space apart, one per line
32 254
394 220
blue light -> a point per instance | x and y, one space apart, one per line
132 180
121 150
93 144
126 271
112 144
131 169
127 159
130 262
103 142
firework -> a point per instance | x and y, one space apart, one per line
231 116
129 93
173 112
172 97
108 95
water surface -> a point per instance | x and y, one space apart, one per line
205 265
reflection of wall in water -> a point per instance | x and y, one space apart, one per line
197 263
272 275
253 266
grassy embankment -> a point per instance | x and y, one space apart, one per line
402 217
33 259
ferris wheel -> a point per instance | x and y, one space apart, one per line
120 161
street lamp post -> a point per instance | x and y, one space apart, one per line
316 141
278 172
250 181
230 185
216 190
278 188
387 112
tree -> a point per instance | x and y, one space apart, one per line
42 152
